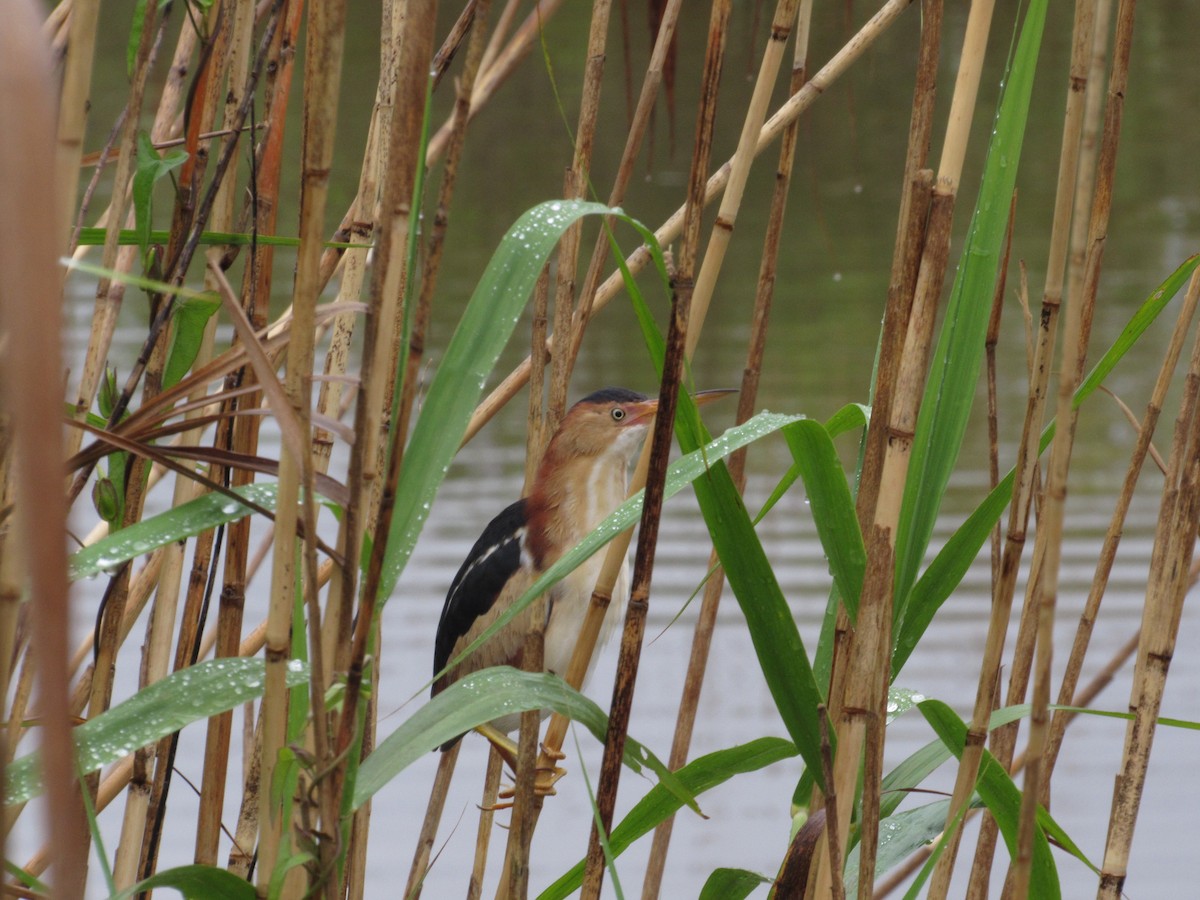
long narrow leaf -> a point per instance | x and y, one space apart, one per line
946 406
946 571
1002 797
186 696
698 776
484 330
481 697
832 507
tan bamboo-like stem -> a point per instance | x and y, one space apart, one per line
31 238
135 834
862 717
663 41
1174 543
1003 739
126 158
1053 512
1112 536
747 401
433 815
487 813
380 345
576 181
1083 699
73 101
1089 147
323 69
243 437
679 342
670 230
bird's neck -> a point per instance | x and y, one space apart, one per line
569 499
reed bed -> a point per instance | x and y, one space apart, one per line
290 377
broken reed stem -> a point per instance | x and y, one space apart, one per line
862 719
747 402
1170 561
655 454
670 230
1112 536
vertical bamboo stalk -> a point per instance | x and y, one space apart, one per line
679 339
670 230
31 238
1174 543
243 437
860 727
747 401
323 69
1052 297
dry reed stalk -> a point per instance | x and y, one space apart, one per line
1089 147
861 723
487 813
31 238
1171 558
122 178
747 402
433 815
1079 317
680 338
161 628
323 72
670 230
906 257
1002 740
1112 536
1083 699
663 41
379 355
243 437
73 98
340 598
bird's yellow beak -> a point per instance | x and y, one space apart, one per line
645 410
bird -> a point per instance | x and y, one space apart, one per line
582 478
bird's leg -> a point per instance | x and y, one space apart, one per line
548 772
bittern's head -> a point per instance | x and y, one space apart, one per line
609 421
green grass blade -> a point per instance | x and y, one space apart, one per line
1001 796
183 521
186 696
195 881
484 330
479 698
701 774
832 507
681 473
946 406
947 569
732 884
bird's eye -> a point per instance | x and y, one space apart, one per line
618 414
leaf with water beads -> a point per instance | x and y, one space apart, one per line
187 696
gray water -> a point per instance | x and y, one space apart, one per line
829 302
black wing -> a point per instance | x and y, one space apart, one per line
487 568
